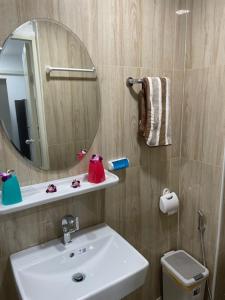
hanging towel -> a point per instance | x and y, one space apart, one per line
154 111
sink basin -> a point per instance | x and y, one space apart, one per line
98 265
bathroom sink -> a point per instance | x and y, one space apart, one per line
98 264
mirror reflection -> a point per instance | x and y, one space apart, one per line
48 116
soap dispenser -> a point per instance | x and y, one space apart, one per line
11 193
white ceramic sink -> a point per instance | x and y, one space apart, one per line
111 266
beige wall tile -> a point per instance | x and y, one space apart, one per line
180 36
177 99
82 17
9 14
119 32
114 203
164 34
220 289
203 116
199 189
205 34
112 111
119 117
123 212
38 9
202 143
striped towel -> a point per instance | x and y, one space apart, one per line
154 111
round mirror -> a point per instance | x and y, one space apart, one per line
49 94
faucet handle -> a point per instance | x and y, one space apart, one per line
68 223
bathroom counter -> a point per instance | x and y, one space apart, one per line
35 195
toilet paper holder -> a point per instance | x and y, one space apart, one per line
169 202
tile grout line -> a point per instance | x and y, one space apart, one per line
181 123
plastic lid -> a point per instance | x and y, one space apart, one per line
184 267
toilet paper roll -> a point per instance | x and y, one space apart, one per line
169 203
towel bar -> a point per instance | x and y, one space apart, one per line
130 81
50 69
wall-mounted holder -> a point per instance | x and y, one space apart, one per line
131 81
35 195
50 69
169 202
118 164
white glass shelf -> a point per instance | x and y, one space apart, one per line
35 195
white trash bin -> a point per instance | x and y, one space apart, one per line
184 277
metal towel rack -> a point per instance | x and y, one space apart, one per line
50 69
130 81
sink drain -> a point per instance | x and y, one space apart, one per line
78 277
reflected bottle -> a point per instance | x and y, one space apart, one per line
11 192
96 173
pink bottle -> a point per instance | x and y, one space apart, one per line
96 173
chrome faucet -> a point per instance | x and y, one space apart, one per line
70 224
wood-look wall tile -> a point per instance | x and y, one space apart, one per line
154 176
164 34
147 34
146 43
119 119
17 233
219 285
219 288
162 48
82 18
179 53
202 137
174 175
131 138
29 10
155 168
89 208
193 116
173 221
112 111
209 199
122 206
132 207
190 182
10 18
199 189
114 203
177 95
3 264
10 291
119 32
154 225
205 34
